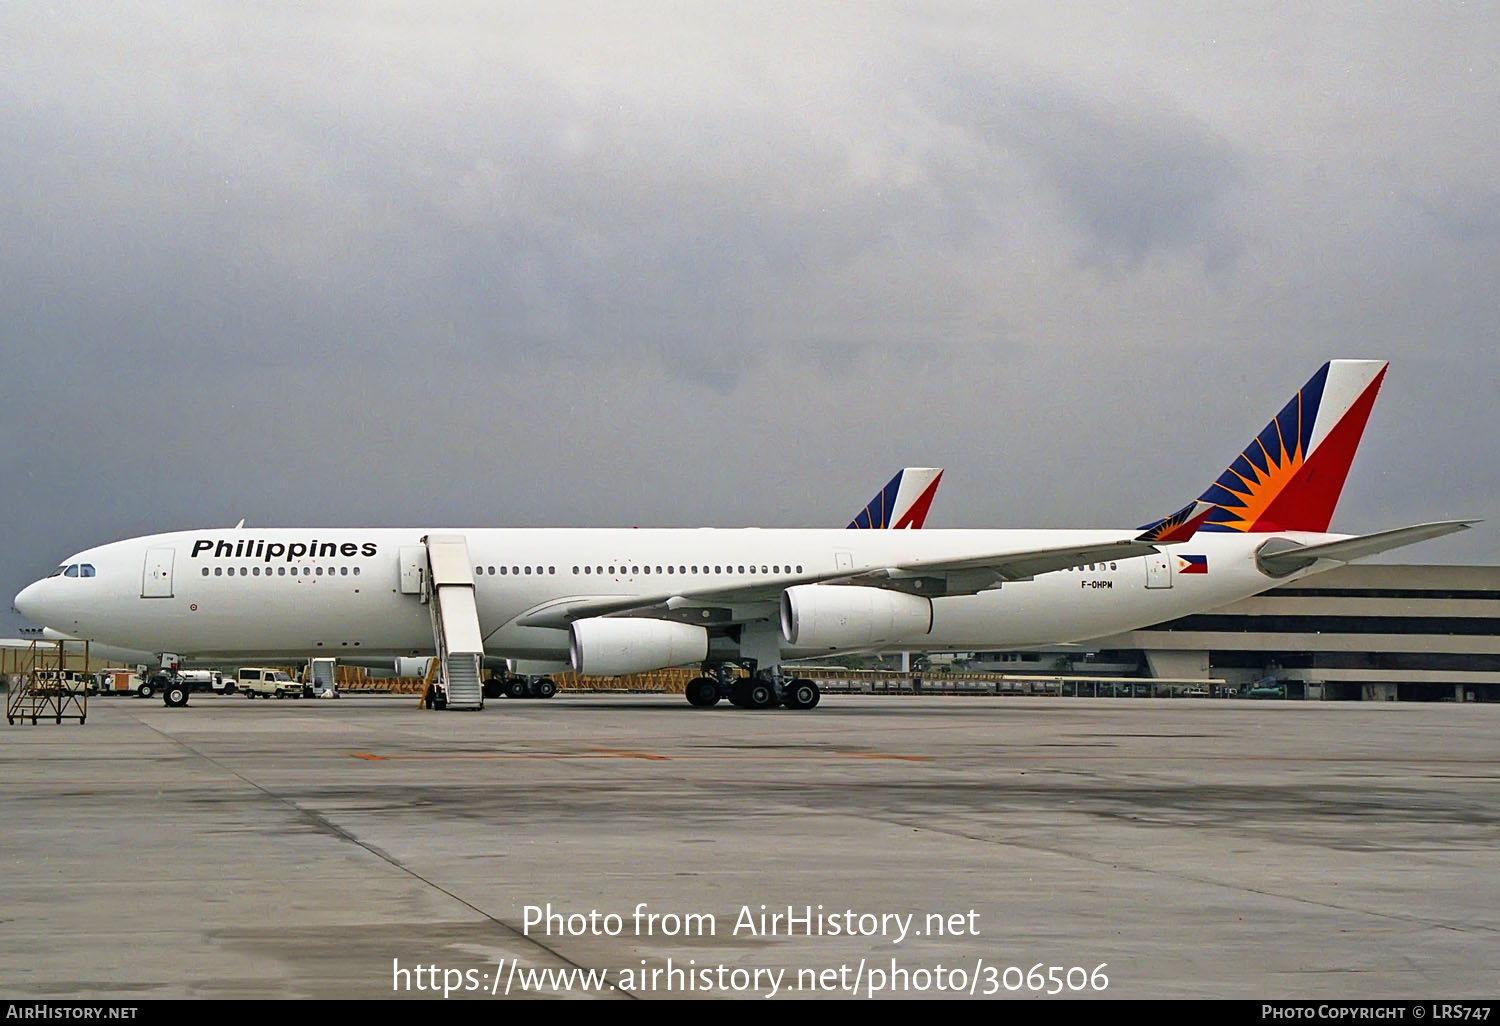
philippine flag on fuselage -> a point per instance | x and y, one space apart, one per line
1192 564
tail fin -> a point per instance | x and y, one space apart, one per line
1290 475
903 502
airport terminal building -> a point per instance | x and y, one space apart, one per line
1361 632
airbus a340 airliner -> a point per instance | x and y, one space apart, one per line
607 601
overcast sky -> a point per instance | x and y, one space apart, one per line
678 264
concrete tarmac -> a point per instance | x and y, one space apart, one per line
1194 849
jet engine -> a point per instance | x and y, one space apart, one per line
834 616
608 647
411 666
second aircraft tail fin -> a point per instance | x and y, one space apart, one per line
903 502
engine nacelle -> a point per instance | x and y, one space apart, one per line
411 666
835 616
608 647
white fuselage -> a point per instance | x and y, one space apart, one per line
291 593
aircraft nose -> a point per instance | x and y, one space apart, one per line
31 603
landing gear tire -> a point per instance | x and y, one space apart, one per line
494 688
739 693
801 693
761 695
517 688
702 692
546 687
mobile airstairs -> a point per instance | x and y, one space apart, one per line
448 590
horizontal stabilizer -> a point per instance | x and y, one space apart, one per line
1280 557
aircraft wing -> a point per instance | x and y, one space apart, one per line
972 574
1289 557
935 578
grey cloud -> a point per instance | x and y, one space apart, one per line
1134 174
1465 213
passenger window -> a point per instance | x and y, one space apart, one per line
218 571
205 571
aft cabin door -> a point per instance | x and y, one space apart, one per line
1158 571
156 579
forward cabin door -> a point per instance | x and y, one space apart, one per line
156 578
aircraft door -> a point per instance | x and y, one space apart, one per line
413 567
1158 570
156 578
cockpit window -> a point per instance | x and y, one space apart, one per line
85 570
58 572
71 571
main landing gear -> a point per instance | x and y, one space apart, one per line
517 686
754 692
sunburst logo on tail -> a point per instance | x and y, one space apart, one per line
1289 477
